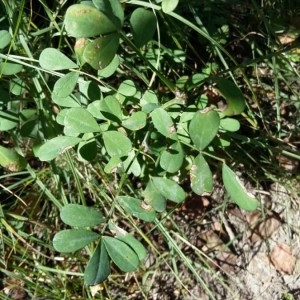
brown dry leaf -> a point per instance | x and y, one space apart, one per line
95 289
260 228
265 229
217 226
286 38
253 218
213 241
288 164
227 261
282 258
14 288
18 294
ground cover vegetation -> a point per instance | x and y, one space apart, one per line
149 149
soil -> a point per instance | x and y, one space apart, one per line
248 255
253 255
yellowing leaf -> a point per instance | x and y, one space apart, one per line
83 20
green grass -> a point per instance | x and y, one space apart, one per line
226 39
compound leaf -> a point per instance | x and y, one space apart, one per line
98 268
143 26
71 240
53 60
201 176
135 207
237 191
121 254
80 216
83 20
204 127
52 148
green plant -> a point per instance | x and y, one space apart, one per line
124 250
126 111
158 141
